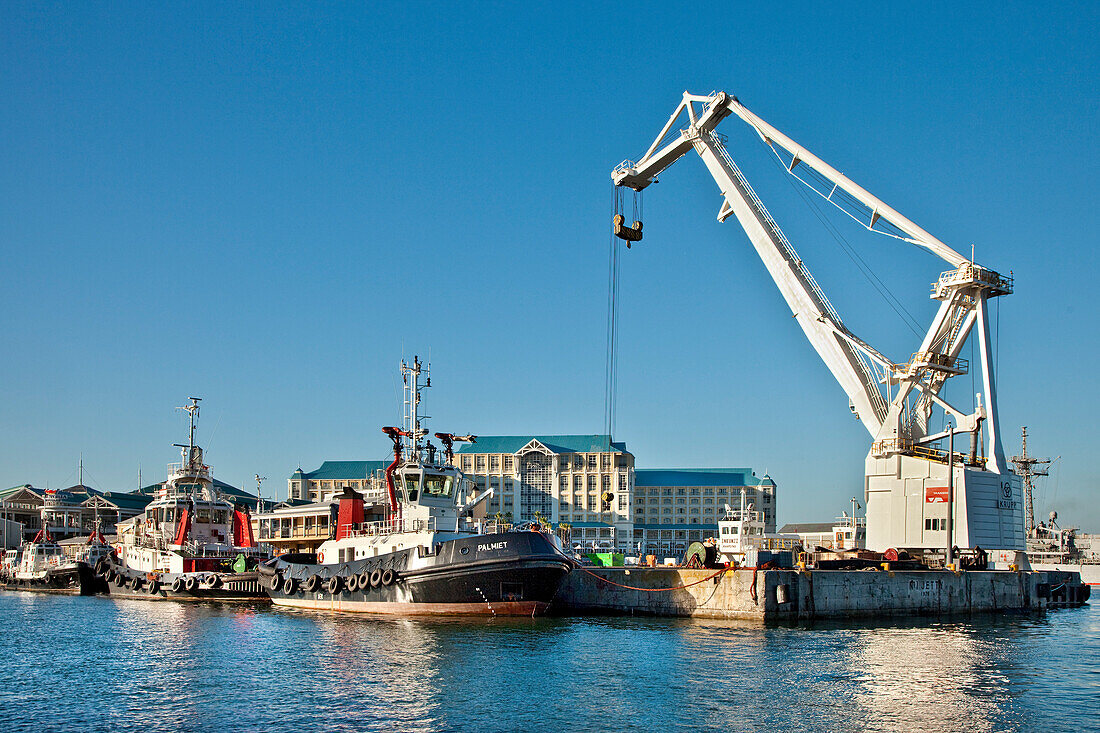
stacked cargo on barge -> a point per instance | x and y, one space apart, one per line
427 556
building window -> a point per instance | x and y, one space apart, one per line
591 461
480 464
622 502
467 463
507 464
494 464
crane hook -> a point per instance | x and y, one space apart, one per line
625 233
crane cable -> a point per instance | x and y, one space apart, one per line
891 300
611 385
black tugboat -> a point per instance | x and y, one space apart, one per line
427 556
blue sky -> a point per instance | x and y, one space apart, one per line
267 207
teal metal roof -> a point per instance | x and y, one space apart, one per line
342 470
556 443
15 489
123 501
698 477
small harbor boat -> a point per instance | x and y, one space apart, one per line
189 544
42 565
427 556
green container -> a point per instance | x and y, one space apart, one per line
606 559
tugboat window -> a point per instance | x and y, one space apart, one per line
412 485
202 515
438 486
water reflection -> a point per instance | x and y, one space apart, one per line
134 665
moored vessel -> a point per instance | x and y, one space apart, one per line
428 556
190 543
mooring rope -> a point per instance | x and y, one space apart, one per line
655 590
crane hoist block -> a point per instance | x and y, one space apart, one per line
625 233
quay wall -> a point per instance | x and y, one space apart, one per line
801 595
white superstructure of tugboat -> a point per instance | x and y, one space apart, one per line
190 543
41 564
427 556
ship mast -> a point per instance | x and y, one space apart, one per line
410 375
1028 467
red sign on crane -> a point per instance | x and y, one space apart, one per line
935 494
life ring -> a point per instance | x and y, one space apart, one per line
364 581
191 583
388 576
334 584
177 585
353 583
275 582
312 583
289 586
320 557
375 578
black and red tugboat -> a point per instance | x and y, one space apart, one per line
427 556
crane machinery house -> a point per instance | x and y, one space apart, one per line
913 473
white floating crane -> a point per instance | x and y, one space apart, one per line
906 474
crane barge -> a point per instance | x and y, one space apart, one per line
910 481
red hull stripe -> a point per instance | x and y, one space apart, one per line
502 608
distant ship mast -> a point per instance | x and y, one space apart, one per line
1028 467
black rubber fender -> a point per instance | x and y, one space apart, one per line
375 578
312 583
120 580
191 583
290 585
275 582
214 581
388 576
334 584
364 581
353 583
177 585
154 587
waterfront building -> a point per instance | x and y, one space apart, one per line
588 482
331 478
585 481
28 505
674 507
74 511
112 507
308 516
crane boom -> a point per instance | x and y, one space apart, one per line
844 354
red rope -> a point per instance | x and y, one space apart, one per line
654 590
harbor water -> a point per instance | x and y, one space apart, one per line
76 663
